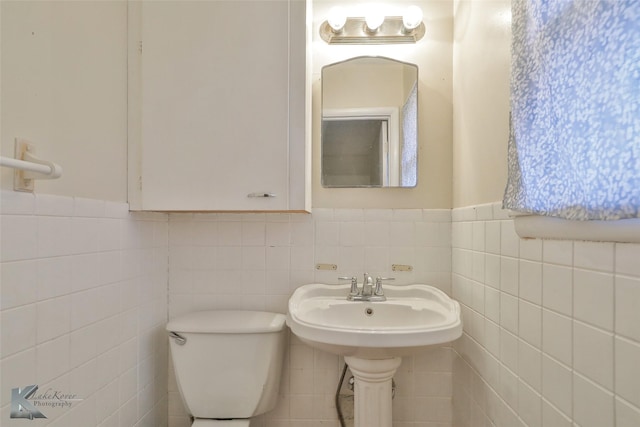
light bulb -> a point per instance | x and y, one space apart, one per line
337 18
374 19
412 18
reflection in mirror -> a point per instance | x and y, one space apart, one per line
370 123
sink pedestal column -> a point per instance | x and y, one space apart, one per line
372 391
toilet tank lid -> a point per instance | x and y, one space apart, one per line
228 322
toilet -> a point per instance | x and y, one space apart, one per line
228 364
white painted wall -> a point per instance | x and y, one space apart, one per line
481 70
64 87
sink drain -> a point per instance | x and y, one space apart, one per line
368 311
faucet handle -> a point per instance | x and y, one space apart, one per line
378 290
354 284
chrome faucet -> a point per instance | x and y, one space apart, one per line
367 285
369 291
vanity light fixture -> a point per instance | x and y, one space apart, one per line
374 28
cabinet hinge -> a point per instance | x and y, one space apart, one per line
140 47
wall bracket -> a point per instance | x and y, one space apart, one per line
28 167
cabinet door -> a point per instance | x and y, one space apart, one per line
219 84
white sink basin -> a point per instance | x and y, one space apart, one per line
412 317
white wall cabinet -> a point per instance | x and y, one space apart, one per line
218 106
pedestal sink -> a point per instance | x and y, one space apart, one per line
373 336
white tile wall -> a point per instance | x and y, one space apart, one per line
83 298
557 342
551 327
255 261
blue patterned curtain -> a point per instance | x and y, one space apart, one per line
409 160
574 147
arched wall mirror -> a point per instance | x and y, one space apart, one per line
370 123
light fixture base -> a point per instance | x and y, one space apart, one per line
355 31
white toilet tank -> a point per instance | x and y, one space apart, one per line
230 363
